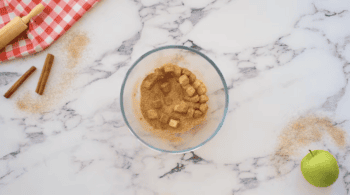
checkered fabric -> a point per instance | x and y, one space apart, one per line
57 17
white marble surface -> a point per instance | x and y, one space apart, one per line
280 59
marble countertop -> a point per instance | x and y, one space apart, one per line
282 60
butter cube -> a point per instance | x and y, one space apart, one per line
168 68
190 112
203 107
197 114
190 91
192 78
168 101
197 83
165 87
150 81
152 114
203 98
194 99
159 73
183 80
173 123
148 84
186 72
196 105
177 70
186 86
202 89
156 104
182 107
187 98
164 118
169 110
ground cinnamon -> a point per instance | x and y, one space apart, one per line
301 133
306 130
173 100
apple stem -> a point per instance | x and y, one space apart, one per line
311 153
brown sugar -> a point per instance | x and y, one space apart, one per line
167 106
301 133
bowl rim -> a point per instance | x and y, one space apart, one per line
174 47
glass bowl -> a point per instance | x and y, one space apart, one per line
205 70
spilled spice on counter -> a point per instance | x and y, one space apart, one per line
173 101
301 133
75 48
61 77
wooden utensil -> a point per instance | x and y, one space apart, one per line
17 26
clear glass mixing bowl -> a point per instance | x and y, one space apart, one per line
205 70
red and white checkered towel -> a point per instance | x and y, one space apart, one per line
57 17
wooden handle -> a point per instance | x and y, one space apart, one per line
37 10
11 31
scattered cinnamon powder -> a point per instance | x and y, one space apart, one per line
303 132
61 77
75 48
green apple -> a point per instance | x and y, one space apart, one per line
320 168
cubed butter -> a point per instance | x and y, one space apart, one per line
165 87
157 104
169 110
185 86
152 114
196 105
202 89
168 68
148 84
177 70
150 81
192 78
168 101
173 123
182 107
186 72
194 99
187 98
164 118
159 73
196 83
190 112
203 98
190 91
203 107
183 80
197 114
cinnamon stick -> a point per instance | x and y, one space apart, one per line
19 82
44 74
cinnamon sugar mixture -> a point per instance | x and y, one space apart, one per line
303 132
173 101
